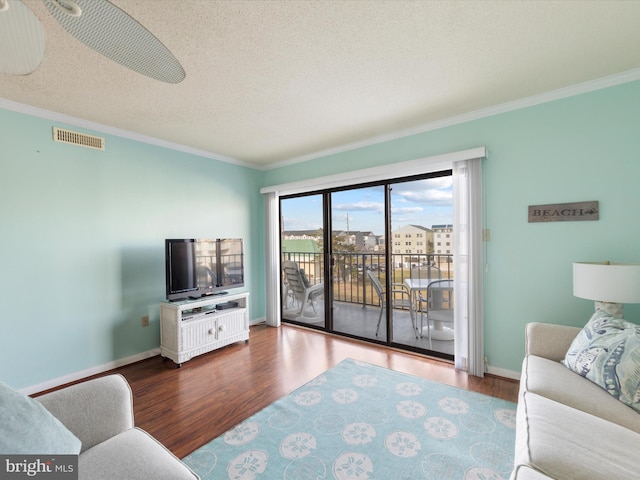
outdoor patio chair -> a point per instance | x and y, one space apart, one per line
299 287
437 306
400 298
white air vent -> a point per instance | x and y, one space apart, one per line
77 138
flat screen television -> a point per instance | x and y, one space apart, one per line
200 267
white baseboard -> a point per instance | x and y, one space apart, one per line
72 377
503 372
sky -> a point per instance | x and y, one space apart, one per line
421 202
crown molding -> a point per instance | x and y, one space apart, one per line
118 132
565 92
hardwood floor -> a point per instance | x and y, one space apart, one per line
187 407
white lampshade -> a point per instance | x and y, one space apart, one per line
604 282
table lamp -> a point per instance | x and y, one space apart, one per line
609 284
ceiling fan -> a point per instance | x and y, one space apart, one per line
98 24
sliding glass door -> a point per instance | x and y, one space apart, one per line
422 261
369 262
359 262
302 260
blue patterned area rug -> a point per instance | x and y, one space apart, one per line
358 421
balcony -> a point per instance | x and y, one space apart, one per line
355 303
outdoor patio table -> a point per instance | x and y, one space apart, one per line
439 330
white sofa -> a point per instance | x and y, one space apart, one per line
99 413
567 426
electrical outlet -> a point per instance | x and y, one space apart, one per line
145 321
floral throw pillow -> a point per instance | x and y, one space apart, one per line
607 352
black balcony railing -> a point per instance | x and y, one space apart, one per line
350 282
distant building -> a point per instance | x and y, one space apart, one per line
411 242
366 241
304 246
362 241
302 234
346 238
442 239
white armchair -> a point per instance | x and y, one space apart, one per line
99 412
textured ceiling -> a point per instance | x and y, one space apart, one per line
274 81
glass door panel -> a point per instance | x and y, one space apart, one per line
422 263
359 262
390 248
302 251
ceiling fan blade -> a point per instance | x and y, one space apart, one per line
110 31
22 39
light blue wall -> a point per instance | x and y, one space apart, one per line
81 249
581 148
82 243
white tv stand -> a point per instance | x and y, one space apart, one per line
193 327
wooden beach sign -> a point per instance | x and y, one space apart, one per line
564 212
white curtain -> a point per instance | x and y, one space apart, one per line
468 308
272 224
